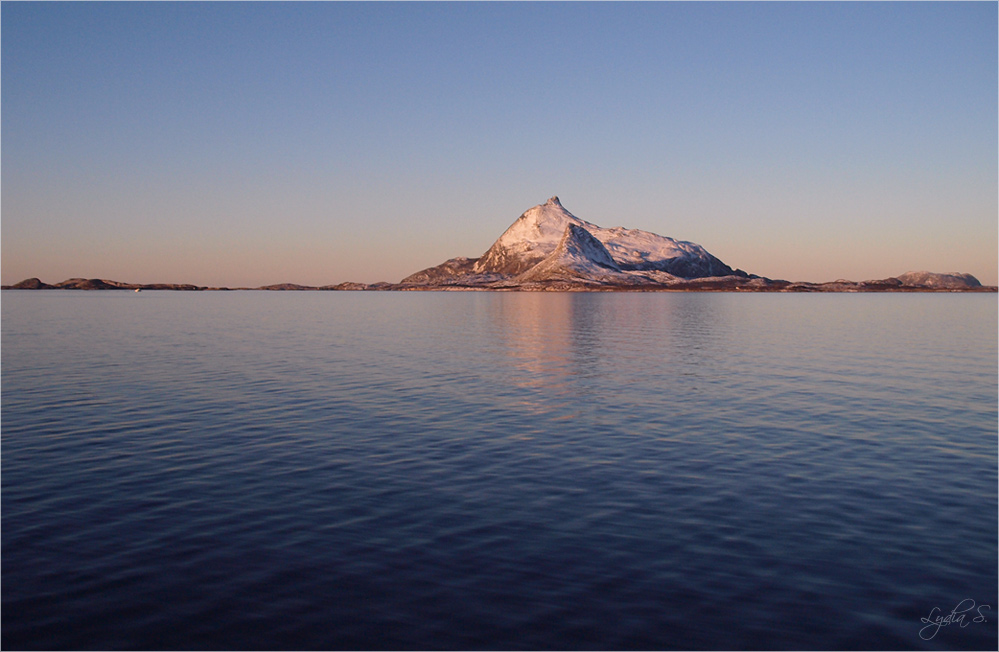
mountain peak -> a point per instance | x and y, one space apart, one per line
533 236
538 231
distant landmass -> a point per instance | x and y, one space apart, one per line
549 248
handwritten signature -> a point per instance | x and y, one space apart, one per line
956 617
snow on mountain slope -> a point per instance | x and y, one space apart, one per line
533 236
578 256
634 249
538 231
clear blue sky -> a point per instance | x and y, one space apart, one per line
245 144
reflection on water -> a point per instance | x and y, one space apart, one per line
536 335
558 343
496 470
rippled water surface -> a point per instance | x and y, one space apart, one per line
491 470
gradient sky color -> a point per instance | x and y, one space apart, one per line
247 144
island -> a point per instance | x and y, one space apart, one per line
548 248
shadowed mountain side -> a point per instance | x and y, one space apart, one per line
578 257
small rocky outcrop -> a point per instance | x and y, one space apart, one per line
348 286
278 287
93 284
30 284
448 272
951 281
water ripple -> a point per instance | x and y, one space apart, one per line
481 471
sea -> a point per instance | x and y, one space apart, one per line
498 470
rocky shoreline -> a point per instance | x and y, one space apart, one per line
706 284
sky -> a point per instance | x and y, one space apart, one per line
246 144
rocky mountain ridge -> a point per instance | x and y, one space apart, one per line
549 248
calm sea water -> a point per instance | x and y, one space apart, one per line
491 470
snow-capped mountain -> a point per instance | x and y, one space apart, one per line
548 243
537 232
